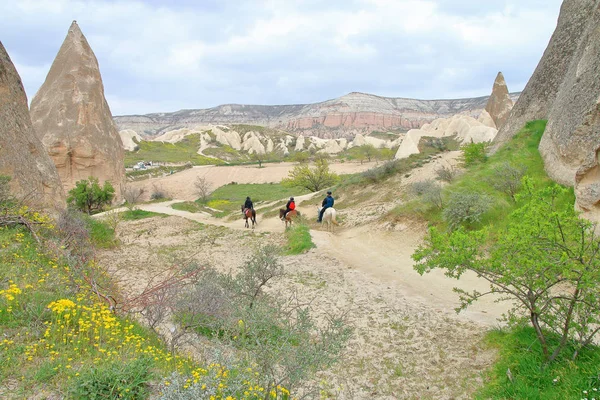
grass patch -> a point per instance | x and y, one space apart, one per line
189 206
102 234
156 171
60 339
132 215
183 151
521 150
520 352
298 239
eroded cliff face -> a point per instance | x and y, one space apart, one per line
537 99
344 117
22 155
571 142
71 116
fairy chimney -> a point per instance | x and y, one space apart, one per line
34 179
72 118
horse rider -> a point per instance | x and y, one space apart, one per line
291 205
327 203
248 205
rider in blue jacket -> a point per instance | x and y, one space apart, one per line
327 203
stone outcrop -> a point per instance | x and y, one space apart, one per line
299 143
22 156
499 103
336 118
130 139
571 143
536 100
73 120
486 119
466 129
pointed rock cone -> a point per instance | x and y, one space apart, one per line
72 117
499 103
22 156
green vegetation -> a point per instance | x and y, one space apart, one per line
89 197
506 221
520 353
474 153
280 340
132 215
102 235
65 331
156 171
183 151
312 179
189 206
488 179
299 239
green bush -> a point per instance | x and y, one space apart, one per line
113 381
313 179
89 197
102 234
466 208
474 153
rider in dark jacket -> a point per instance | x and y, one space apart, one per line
327 203
291 205
248 204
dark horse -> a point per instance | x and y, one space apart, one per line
288 217
249 214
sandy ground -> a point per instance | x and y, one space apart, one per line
408 342
181 185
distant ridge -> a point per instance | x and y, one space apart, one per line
340 117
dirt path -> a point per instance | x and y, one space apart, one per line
385 256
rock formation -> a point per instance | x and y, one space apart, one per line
539 94
72 117
341 117
499 103
130 139
465 128
571 143
22 156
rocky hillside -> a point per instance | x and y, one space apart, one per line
342 117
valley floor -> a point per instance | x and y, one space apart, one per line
408 342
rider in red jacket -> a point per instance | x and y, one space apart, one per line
291 205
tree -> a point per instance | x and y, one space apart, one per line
369 151
300 157
202 188
474 153
547 261
259 158
88 196
507 179
313 179
386 154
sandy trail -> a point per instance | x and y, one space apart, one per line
385 256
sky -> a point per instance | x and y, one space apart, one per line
162 56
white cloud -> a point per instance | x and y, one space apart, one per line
276 51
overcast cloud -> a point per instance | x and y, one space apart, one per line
159 56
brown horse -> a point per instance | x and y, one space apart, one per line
249 214
289 217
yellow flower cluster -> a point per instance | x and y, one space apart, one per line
10 293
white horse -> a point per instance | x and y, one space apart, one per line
329 217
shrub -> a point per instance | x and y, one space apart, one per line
446 173
274 334
506 178
546 262
466 208
202 187
89 197
430 192
132 195
474 153
114 380
158 192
